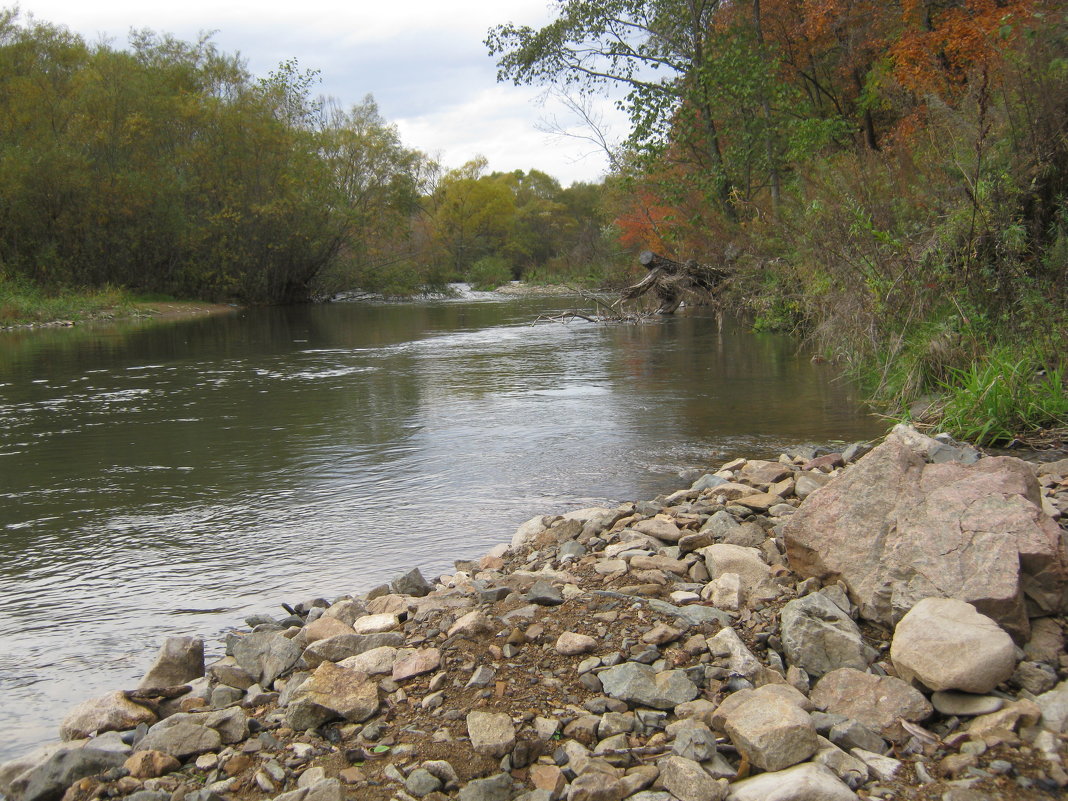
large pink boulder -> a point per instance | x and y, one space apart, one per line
897 529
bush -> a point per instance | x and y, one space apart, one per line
488 273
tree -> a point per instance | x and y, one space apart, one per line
654 49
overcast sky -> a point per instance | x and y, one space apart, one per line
423 60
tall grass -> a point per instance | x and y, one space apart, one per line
1003 397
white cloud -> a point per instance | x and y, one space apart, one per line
423 60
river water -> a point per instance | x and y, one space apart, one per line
163 479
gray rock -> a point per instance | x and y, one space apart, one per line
231 723
1035 677
422 782
727 643
491 733
846 767
266 655
325 790
851 734
180 660
691 614
180 739
45 774
223 696
149 795
411 583
495 788
482 677
694 740
948 645
720 525
227 671
807 782
642 685
853 452
708 481
808 482
1054 706
688 781
545 594
819 637
571 550
771 732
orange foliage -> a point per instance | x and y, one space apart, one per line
943 43
642 224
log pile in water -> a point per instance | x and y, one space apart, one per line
672 281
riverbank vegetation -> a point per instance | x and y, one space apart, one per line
166 167
888 178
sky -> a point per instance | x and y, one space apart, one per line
423 60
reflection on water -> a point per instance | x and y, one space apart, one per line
173 479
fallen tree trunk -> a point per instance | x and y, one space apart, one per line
671 281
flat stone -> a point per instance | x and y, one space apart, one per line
544 593
950 702
878 702
375 624
641 684
180 660
662 527
948 645
572 644
819 637
373 662
806 782
760 501
686 780
771 733
343 646
325 627
180 740
111 712
491 733
757 472
416 663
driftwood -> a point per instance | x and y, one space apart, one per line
671 281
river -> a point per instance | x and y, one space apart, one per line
163 479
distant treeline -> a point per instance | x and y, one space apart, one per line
166 167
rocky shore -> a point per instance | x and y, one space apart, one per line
840 626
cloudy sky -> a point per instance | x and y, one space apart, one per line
423 60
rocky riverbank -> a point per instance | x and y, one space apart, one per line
818 627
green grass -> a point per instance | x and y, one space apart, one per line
24 303
1001 397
